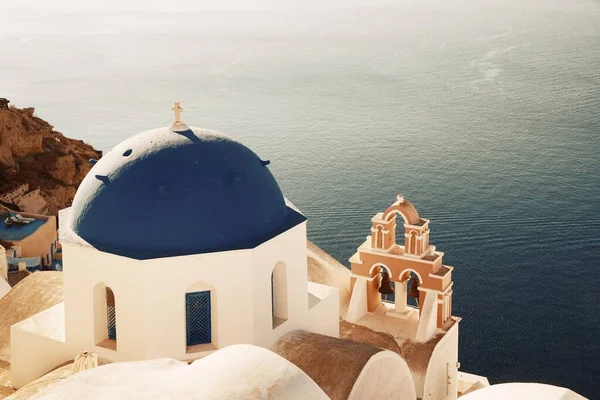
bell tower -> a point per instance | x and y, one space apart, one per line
409 269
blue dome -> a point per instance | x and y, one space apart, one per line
163 193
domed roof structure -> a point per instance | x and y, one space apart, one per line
235 372
166 193
523 391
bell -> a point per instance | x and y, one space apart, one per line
386 284
414 289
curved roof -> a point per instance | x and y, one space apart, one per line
164 193
234 372
338 366
522 391
406 209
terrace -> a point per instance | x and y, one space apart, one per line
15 232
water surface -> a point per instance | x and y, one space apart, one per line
484 113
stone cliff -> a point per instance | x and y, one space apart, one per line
40 168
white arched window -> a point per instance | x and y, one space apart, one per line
105 317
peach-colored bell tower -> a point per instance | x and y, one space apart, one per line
415 257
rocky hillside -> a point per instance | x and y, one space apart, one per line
40 169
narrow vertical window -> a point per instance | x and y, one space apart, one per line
105 317
279 296
198 318
413 243
111 314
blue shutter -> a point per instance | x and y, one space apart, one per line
198 312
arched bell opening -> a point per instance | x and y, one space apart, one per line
407 291
412 293
399 220
386 286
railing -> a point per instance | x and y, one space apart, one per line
31 263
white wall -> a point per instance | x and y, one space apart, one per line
37 346
228 274
84 268
150 298
151 307
385 376
33 356
323 316
289 248
443 363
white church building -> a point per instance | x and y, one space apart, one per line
179 242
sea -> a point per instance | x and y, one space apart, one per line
485 114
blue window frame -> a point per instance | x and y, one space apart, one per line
198 318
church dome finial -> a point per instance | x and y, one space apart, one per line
178 125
